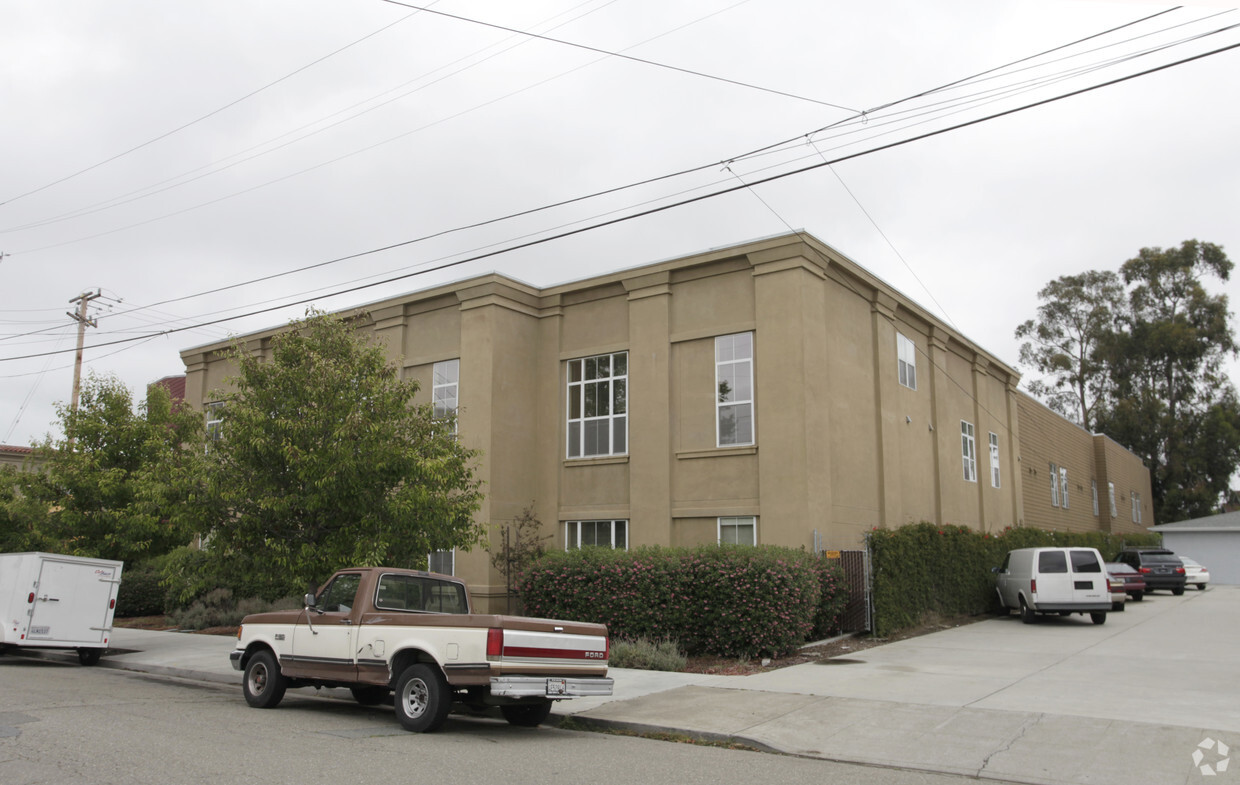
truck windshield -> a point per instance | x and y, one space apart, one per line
415 593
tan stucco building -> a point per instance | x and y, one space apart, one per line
772 392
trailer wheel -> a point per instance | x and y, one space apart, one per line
526 715
263 684
422 698
89 656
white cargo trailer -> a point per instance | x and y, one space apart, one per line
51 601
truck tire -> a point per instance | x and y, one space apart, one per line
422 698
369 695
526 715
89 656
1099 617
263 684
1026 613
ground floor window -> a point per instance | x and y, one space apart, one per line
443 562
742 530
601 534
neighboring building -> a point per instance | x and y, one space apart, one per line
1212 541
773 392
18 457
175 385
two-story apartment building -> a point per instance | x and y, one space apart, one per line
772 392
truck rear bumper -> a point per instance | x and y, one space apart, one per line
545 687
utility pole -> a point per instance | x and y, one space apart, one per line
83 300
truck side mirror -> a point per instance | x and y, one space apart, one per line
308 600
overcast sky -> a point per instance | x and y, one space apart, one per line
155 150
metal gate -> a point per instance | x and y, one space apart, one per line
859 613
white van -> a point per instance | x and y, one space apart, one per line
1054 580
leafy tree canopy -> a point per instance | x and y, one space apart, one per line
115 486
324 462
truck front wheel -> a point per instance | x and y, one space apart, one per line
526 715
263 684
422 699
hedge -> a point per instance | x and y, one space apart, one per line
730 601
923 568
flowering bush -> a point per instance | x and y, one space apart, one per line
727 601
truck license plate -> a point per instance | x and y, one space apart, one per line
556 687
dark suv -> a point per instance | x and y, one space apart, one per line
1160 568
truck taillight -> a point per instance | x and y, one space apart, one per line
607 647
495 642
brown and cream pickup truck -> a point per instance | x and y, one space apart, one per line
376 630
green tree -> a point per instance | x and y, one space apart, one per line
116 485
1171 401
1067 340
324 463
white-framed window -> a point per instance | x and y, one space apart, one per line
601 534
1093 491
598 407
906 363
1111 498
738 530
968 451
994 460
1063 487
215 423
1054 485
734 388
445 390
443 562
1136 506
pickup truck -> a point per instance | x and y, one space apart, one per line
377 630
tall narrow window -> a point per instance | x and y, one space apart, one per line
1093 491
215 421
597 534
598 406
994 460
1136 506
1054 485
1063 487
968 451
444 389
734 389
741 530
906 352
443 562
1111 498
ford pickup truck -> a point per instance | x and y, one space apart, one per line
377 630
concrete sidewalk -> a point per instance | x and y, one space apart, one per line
1061 701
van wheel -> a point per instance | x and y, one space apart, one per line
263 684
1004 610
1026 613
1099 617
422 698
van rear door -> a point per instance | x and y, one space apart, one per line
1054 581
1089 577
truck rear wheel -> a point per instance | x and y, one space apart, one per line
526 715
422 699
263 684
89 656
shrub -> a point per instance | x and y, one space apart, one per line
218 608
833 600
141 593
645 654
728 601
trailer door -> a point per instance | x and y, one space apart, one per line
71 603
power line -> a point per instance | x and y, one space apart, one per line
681 203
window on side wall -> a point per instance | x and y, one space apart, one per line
443 562
598 406
445 387
1136 506
215 422
906 363
1093 492
738 530
597 534
1063 487
734 389
1054 485
994 460
968 451
1111 498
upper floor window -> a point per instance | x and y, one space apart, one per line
1063 487
994 460
598 405
968 451
1093 491
215 422
444 390
442 562
742 530
1054 485
1111 498
734 388
1136 506
603 534
906 351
